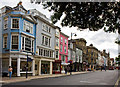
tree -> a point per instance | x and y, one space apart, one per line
87 15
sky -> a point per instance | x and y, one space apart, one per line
99 39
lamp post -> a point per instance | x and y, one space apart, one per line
28 59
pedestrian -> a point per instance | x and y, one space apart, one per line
10 71
65 70
101 68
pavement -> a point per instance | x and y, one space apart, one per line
20 79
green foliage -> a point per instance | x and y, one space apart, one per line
92 15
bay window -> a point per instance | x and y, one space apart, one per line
27 44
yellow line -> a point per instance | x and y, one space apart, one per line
117 82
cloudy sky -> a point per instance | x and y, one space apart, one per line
99 39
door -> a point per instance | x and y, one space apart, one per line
14 66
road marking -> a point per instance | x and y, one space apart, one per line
85 82
117 82
93 82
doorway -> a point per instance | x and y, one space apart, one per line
14 66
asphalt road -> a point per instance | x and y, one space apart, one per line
99 78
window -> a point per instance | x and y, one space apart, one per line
63 58
5 23
61 39
49 30
57 42
5 42
28 27
46 28
60 48
57 53
43 26
15 23
57 32
22 43
32 45
65 41
43 40
41 52
14 42
49 42
46 41
44 52
65 49
28 44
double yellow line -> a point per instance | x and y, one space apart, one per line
117 82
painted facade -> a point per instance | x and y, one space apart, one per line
45 44
63 50
18 38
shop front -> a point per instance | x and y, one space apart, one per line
57 67
45 67
18 63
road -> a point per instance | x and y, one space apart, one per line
98 78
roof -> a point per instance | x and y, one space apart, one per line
64 34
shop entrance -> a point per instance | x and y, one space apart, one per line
45 67
14 66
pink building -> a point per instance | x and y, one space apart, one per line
63 50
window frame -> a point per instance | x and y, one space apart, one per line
4 41
11 41
12 23
6 18
29 25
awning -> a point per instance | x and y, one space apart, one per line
65 63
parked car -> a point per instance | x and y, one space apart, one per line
111 68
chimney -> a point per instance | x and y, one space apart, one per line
20 3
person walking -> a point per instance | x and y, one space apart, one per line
10 71
101 68
65 70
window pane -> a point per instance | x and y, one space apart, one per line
15 23
28 44
14 42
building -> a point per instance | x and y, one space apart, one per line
80 44
57 63
45 43
92 56
63 51
19 40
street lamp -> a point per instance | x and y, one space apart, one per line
28 59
